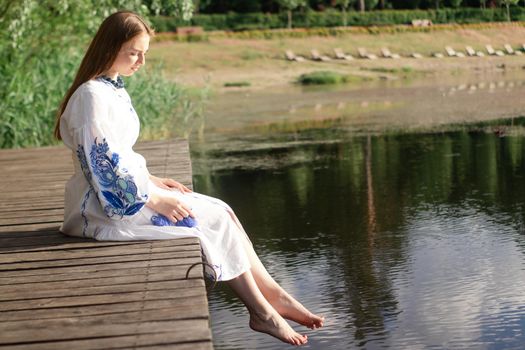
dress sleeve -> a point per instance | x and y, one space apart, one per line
111 168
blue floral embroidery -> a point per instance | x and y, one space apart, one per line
118 190
161 220
83 163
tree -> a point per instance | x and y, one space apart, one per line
41 45
371 4
344 6
178 8
455 3
291 5
361 5
507 4
406 4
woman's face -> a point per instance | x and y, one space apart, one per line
131 57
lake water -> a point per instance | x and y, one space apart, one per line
402 240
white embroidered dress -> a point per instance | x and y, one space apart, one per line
105 198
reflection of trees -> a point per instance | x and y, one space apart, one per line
370 193
360 194
366 251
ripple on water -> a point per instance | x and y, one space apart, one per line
465 268
455 281
457 292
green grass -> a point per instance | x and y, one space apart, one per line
405 69
31 98
251 55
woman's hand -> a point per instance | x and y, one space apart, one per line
169 184
169 206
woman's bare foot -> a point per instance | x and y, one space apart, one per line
293 310
276 326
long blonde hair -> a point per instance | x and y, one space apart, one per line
114 31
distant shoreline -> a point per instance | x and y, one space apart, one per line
253 64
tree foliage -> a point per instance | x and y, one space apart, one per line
344 7
178 8
290 6
41 44
455 3
273 6
371 4
507 4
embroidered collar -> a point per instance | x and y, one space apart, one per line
119 84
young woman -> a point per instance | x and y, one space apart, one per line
112 196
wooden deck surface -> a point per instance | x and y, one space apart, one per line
59 292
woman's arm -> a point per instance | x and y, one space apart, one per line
168 184
169 206
120 184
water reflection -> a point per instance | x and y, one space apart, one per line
375 106
402 241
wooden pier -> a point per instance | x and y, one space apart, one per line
59 292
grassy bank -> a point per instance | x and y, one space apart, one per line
261 63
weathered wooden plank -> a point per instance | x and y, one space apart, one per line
11 214
10 203
185 346
24 241
156 271
78 242
170 301
57 241
188 330
177 310
97 266
25 206
32 220
30 183
53 290
140 342
159 340
43 233
70 301
44 193
31 227
186 251
73 256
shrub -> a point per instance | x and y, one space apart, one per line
339 31
332 18
322 78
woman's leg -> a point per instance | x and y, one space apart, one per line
287 306
263 317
